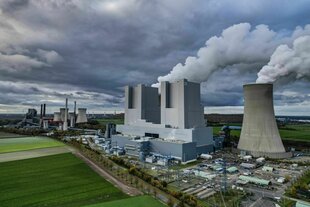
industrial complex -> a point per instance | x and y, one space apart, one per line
165 135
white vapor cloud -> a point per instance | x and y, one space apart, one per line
238 44
287 61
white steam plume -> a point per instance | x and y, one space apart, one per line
288 61
238 44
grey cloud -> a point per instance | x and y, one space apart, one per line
104 47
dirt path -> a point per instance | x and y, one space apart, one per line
21 155
125 188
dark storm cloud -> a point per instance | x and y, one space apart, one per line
89 50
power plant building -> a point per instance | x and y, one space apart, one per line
260 135
170 123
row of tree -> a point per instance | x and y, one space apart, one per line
137 176
300 188
23 131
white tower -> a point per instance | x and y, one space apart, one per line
65 124
57 116
81 117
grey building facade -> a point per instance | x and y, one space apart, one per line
170 120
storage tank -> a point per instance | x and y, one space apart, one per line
81 117
57 116
259 134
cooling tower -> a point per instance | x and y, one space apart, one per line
57 116
81 117
260 135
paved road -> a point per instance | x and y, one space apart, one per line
21 155
125 188
297 200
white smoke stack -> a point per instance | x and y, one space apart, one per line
65 124
287 61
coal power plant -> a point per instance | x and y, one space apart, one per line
67 119
260 135
170 127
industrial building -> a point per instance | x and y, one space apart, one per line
259 134
169 123
63 117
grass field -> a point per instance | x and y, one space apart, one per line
4 135
57 180
140 201
299 132
27 143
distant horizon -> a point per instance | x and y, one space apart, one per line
279 111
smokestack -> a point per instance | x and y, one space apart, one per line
65 124
44 110
41 115
74 109
41 111
260 135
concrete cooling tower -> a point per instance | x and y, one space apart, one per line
260 135
57 116
81 117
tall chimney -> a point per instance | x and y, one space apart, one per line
41 116
41 111
65 124
44 110
74 109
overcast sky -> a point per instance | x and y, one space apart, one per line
89 50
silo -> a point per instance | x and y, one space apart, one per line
260 135
81 117
57 116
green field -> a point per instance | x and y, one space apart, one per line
27 143
140 201
4 135
57 180
299 132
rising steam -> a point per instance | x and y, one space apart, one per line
238 44
288 61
